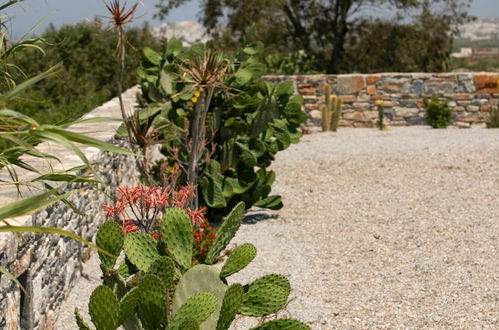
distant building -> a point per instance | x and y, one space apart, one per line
464 52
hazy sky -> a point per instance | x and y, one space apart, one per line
29 12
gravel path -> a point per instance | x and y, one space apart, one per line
392 229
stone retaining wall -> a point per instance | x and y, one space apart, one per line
47 265
470 96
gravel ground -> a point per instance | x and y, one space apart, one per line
393 229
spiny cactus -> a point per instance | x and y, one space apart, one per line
266 295
141 249
226 232
109 238
152 301
156 287
241 257
176 233
230 305
104 308
331 110
200 278
197 308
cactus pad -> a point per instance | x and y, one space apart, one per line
141 249
231 302
128 304
198 308
200 278
226 232
82 325
189 324
104 308
176 233
282 324
238 259
265 296
152 301
126 269
109 238
164 268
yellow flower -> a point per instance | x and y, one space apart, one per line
194 99
197 94
379 102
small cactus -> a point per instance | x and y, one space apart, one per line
381 114
197 308
104 308
239 258
141 249
200 278
176 233
226 232
230 305
266 295
109 238
152 301
331 110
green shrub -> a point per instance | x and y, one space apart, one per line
493 120
157 286
438 113
248 122
86 77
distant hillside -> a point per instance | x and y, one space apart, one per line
480 30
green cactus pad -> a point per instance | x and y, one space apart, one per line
128 304
82 325
231 302
282 324
238 259
226 232
200 278
265 296
164 268
152 301
109 238
104 308
176 233
126 269
189 324
198 308
141 249
116 283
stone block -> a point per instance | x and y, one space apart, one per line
315 114
361 106
461 96
486 83
405 112
398 123
462 124
485 108
439 88
372 79
415 121
345 123
472 108
354 115
467 117
371 89
350 84
348 98
371 114
306 89
365 124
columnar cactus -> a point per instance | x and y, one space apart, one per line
157 286
331 110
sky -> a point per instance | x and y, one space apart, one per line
29 12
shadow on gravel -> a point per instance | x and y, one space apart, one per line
252 218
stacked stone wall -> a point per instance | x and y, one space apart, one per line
470 96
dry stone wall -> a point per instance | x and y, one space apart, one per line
470 95
48 265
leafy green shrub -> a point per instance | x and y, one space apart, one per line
438 114
157 286
86 77
493 121
247 123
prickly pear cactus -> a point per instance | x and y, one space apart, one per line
282 324
152 301
266 295
241 257
109 238
164 268
141 249
226 232
128 304
104 308
176 233
230 305
197 308
200 278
